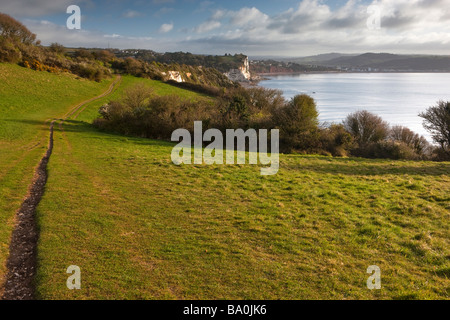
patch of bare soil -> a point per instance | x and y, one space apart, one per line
21 263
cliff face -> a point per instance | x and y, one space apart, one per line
174 76
242 74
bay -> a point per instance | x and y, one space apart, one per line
396 97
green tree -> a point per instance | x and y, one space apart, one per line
298 123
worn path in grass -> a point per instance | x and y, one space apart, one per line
21 263
28 101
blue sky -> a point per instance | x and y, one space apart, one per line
254 27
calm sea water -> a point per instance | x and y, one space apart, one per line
397 97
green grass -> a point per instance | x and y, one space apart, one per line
27 100
159 88
140 227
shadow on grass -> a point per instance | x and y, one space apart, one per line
345 166
82 127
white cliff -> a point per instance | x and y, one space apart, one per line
173 75
242 74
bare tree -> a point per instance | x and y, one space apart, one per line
12 29
437 122
366 127
413 140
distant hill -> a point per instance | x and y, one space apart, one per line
222 63
319 58
391 62
386 62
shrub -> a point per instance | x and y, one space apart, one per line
56 48
389 150
336 140
298 124
366 127
414 141
137 96
8 51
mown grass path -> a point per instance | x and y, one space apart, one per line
21 265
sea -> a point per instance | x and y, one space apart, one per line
396 97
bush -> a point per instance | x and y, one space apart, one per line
155 117
366 127
414 141
298 124
336 140
8 51
137 96
389 150
57 48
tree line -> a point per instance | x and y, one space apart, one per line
142 113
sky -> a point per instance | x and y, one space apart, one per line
290 28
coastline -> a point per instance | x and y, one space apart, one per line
350 72
255 80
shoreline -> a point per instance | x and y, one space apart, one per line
336 72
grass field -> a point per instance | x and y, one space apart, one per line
140 227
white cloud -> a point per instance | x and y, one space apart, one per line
313 26
49 32
207 26
248 16
218 14
165 28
